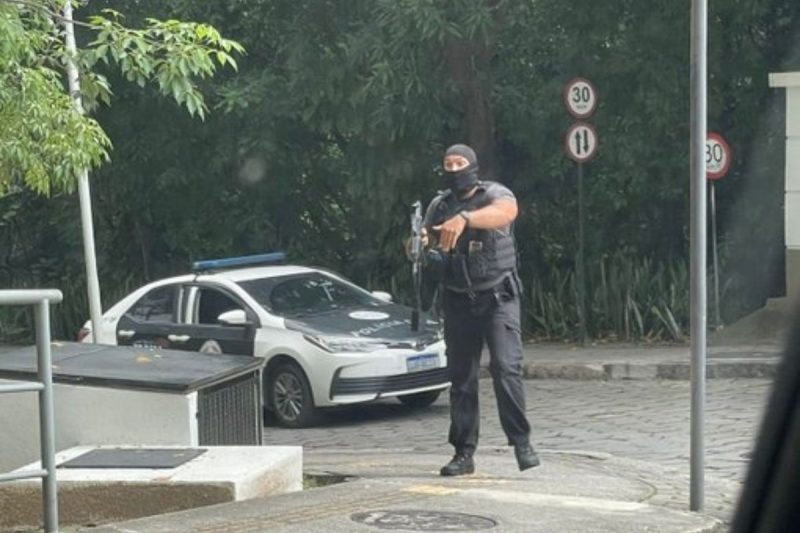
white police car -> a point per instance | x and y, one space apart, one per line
326 341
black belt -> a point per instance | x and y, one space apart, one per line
479 287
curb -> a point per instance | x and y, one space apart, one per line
645 371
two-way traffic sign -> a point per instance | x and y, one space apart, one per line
581 142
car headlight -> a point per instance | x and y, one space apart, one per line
345 344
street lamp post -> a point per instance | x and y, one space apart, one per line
84 194
698 259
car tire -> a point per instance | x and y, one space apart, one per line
290 396
420 400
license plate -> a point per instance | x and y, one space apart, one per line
422 362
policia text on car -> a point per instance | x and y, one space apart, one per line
470 252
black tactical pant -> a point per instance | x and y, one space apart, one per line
493 317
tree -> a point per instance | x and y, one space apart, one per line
339 114
346 112
44 142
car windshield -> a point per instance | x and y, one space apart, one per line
306 294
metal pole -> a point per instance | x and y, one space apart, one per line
698 260
46 418
84 194
715 254
581 265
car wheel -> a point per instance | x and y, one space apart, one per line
420 399
290 396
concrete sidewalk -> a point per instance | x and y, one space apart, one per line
629 361
398 490
586 492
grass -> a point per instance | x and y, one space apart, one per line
627 298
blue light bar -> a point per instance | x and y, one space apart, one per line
233 262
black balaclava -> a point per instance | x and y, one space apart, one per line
461 181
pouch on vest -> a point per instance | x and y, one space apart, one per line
458 275
436 265
478 263
481 253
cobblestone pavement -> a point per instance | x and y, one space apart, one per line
646 420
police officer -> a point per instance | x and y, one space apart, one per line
471 253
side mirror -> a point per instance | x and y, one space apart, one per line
382 295
235 317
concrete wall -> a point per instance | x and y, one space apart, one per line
791 82
95 415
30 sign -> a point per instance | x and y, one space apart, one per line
580 97
718 156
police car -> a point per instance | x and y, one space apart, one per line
327 341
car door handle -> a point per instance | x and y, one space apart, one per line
178 338
126 333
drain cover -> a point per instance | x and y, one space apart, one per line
416 520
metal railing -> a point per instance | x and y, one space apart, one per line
40 300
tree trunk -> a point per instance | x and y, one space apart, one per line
469 62
144 247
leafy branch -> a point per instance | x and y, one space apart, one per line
170 53
44 141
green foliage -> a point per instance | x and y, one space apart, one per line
40 246
44 141
629 298
339 113
171 53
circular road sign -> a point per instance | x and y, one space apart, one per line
580 98
581 142
718 156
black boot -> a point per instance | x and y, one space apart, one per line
526 457
460 464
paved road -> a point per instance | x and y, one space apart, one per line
647 420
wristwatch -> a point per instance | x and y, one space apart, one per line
465 216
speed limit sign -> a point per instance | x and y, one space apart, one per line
581 142
718 156
580 98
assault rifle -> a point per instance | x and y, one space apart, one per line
416 253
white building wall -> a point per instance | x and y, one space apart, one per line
791 82
792 205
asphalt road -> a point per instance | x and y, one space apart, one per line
646 420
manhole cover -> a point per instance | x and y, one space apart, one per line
414 520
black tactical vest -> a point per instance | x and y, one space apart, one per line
482 258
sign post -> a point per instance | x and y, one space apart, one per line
718 161
580 143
